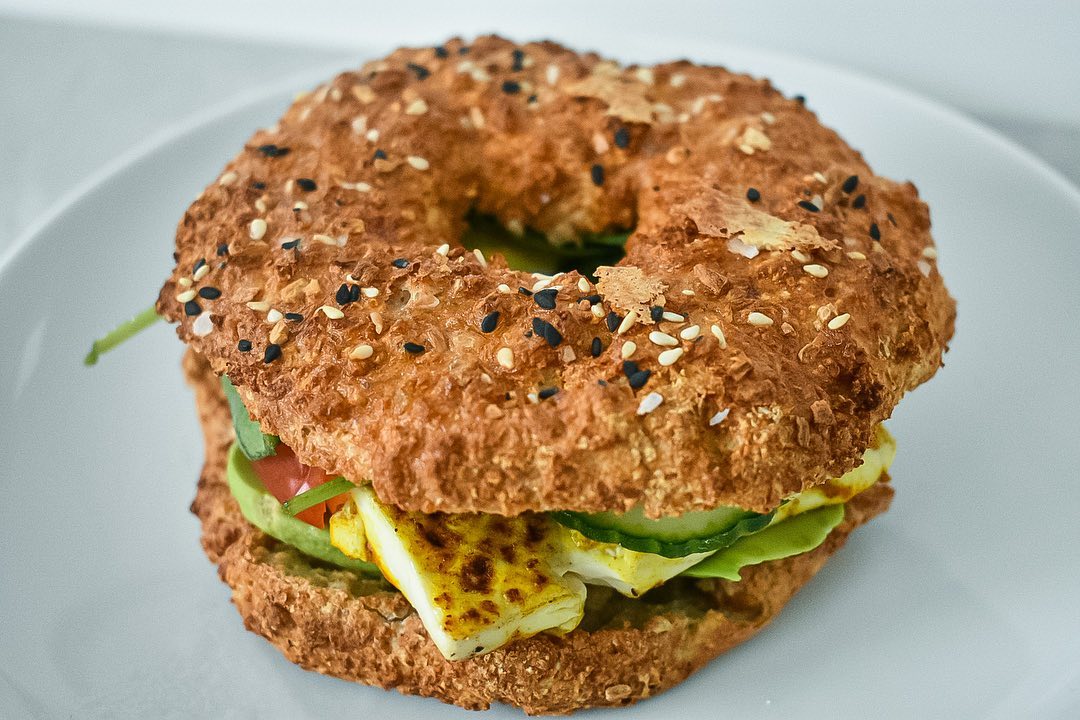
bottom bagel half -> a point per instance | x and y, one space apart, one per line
357 628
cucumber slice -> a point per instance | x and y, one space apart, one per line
254 443
262 510
693 532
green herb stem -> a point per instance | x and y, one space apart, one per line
124 331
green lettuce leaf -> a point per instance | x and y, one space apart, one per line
792 536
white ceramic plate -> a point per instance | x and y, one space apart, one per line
963 601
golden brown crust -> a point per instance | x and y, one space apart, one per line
452 429
333 622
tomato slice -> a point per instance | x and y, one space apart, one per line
286 477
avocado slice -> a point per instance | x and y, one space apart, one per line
263 510
255 444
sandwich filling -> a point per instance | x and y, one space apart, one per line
480 581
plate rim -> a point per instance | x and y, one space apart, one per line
191 122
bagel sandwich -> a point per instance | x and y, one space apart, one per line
527 377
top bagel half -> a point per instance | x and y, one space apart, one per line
780 296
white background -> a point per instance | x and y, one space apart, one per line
81 82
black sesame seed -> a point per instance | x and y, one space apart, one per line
354 293
892 220
592 299
440 52
801 99
612 320
532 99
596 348
602 383
638 379
546 298
519 60
209 293
176 257
511 87
223 249
400 263
244 346
547 331
294 317
291 244
199 264
414 348
342 295
850 184
622 138
858 202
547 392
875 232
272 353
258 185
597 173
273 151
753 194
192 308
379 154
490 322
808 206
656 313
463 50
629 367
525 291
306 184
420 71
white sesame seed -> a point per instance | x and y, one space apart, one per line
288 186
818 201
719 417
359 124
416 107
673 317
759 319
541 284
372 135
583 285
300 205
600 144
552 74
627 322
376 320
800 256
505 356
533 397
821 178
929 252
856 255
839 321
273 316
662 338
369 292
278 332
257 229
768 118
324 239
568 354
690 333
628 349
677 80
484 377
185 296
719 333
649 403
260 205
645 75
259 305
443 249
597 310
184 282
362 187
362 352
479 255
228 178
331 312
669 357
418 162
688 291
504 289
818 271
476 116
924 267
203 325
737 246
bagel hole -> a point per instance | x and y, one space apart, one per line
531 251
